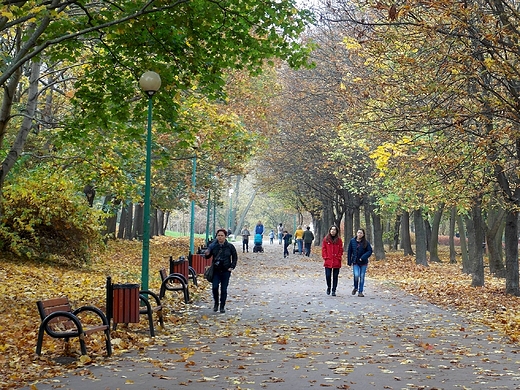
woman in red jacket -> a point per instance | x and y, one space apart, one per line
332 253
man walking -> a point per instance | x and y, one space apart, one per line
308 237
245 239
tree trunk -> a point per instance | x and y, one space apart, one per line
111 206
475 240
428 233
315 222
129 221
397 226
453 254
318 230
511 243
357 219
420 238
166 221
350 209
494 231
466 264
153 222
434 238
327 219
138 221
406 242
122 222
379 248
5 117
160 222
368 225
240 224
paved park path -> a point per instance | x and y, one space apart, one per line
281 331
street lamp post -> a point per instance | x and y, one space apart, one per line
230 207
208 211
192 214
214 218
150 82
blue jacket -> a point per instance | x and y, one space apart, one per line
259 229
357 254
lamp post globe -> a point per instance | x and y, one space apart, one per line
150 82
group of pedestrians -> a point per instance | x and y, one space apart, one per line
358 252
224 255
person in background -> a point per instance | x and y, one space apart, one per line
332 253
259 228
271 236
359 250
224 261
245 239
287 238
298 236
280 233
308 238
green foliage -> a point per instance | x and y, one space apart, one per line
45 217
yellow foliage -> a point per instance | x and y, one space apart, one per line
22 283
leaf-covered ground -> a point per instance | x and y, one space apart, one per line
444 285
23 283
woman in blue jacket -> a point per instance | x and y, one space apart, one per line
359 250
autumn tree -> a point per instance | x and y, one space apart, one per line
447 74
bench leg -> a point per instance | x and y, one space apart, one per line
82 344
149 313
40 341
186 294
107 341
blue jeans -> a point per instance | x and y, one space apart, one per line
222 278
285 248
280 235
299 241
359 276
308 248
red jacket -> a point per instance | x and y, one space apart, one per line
332 253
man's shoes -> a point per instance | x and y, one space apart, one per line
215 308
222 310
361 294
334 293
354 291
328 291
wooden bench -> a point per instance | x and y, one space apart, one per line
173 282
60 321
125 303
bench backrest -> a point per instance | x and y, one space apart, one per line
163 274
49 306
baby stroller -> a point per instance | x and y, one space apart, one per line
258 244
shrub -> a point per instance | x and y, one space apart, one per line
45 217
